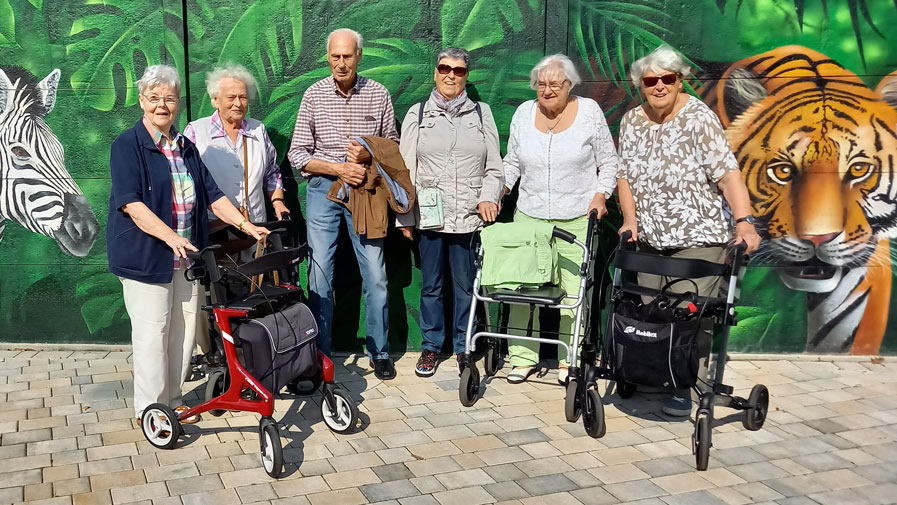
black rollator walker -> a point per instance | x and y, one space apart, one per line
651 337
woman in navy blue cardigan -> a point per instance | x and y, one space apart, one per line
158 210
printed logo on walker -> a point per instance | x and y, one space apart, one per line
640 333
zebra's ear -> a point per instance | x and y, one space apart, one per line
888 88
741 90
47 89
5 92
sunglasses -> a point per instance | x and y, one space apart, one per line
667 79
445 69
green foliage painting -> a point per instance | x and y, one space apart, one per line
101 48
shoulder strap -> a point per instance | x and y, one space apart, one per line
479 112
420 112
245 206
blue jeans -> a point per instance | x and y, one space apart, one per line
323 222
442 253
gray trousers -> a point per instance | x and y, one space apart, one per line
707 286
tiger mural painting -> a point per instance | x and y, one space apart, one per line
817 149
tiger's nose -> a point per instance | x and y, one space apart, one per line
818 240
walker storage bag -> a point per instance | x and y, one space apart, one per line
280 347
652 351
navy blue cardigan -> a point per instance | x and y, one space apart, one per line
141 173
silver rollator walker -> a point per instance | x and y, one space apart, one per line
546 296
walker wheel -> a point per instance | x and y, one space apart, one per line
492 359
344 417
702 441
160 426
625 389
469 385
271 448
758 406
572 402
215 387
593 414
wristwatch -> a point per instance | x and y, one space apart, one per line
746 219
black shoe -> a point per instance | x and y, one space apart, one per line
384 370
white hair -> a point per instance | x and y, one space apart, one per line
230 71
160 74
662 59
554 62
359 42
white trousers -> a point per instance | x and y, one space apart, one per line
164 321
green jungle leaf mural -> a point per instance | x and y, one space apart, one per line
102 47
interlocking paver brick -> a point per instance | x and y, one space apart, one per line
352 496
219 497
257 492
395 471
93 498
465 496
546 484
351 478
117 479
389 490
138 493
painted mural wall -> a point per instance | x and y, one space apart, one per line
806 90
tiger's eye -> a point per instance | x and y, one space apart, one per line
859 170
780 172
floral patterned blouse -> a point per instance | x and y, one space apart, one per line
673 170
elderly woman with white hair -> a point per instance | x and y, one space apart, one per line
676 175
158 210
561 150
236 148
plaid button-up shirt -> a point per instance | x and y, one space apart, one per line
328 120
183 193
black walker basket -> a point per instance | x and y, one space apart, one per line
651 340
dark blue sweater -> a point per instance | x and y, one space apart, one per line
140 173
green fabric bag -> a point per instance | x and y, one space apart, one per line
518 254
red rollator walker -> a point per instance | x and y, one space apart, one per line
276 333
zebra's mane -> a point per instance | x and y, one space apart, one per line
27 86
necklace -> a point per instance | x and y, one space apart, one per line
557 121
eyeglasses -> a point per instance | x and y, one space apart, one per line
445 69
155 99
553 86
667 79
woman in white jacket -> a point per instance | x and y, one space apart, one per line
450 145
562 152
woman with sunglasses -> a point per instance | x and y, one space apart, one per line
562 152
450 145
676 175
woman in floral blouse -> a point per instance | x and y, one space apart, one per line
676 174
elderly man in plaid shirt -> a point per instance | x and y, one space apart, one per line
335 111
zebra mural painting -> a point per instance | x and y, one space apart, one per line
36 190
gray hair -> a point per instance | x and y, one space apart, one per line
454 53
160 74
359 42
662 59
230 71
554 62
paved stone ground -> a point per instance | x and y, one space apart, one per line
67 437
